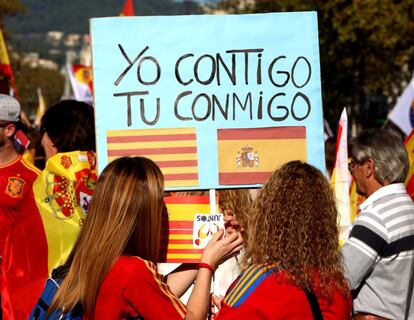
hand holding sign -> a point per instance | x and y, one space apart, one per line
220 249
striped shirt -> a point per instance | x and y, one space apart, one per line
379 252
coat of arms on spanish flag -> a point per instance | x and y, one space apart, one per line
63 192
174 150
188 228
249 156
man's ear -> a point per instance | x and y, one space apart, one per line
368 168
10 130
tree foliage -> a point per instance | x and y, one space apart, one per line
9 8
366 47
28 79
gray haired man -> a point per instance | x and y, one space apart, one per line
378 256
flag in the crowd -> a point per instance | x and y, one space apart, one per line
409 181
355 201
249 156
188 229
5 69
41 108
174 150
63 192
341 179
402 114
80 77
128 9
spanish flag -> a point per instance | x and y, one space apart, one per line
128 9
6 73
63 192
189 227
249 156
409 181
173 150
5 67
81 80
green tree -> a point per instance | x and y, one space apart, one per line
9 8
28 79
366 48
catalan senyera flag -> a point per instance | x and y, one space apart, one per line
41 108
249 156
128 8
63 192
81 80
409 181
173 150
188 229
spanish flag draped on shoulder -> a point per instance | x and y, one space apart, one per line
62 192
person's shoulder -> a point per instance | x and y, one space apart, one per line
134 264
31 169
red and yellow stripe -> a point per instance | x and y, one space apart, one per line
181 212
268 148
173 150
178 305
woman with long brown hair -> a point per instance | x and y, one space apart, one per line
292 252
112 271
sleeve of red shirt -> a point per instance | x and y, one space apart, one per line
149 295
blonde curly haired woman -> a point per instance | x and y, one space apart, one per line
292 253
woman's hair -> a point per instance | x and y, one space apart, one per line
387 151
70 126
240 202
237 200
124 219
294 226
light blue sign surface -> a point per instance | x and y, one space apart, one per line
264 66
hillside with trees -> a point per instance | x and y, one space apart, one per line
73 16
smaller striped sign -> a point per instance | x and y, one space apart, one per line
185 244
249 156
174 150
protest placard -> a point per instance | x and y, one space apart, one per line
215 101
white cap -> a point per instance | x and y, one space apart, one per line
9 108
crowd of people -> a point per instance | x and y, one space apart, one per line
102 235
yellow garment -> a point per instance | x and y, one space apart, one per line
63 191
29 156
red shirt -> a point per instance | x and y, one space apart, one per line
132 288
260 294
22 240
